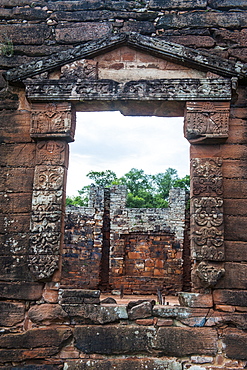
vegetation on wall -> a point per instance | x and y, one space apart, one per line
144 191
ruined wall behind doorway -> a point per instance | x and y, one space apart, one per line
144 250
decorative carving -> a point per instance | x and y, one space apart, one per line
46 221
97 88
208 211
206 121
47 206
45 243
82 69
209 274
151 45
207 228
67 56
53 120
168 89
47 201
206 176
43 266
52 152
49 177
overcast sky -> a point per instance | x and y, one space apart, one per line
111 141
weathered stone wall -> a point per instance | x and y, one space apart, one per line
38 331
146 244
144 247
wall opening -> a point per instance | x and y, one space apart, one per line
109 140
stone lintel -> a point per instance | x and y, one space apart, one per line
214 89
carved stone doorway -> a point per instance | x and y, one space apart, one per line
66 84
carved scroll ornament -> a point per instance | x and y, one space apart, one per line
209 274
47 208
206 176
207 224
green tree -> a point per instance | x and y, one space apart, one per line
163 182
102 178
144 191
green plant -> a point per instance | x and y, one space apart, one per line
7 48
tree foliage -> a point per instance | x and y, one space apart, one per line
144 191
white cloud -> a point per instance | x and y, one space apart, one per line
109 140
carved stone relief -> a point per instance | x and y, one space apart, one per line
52 152
206 121
209 274
206 176
207 227
167 89
53 120
47 208
80 69
49 177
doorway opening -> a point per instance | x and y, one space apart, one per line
98 252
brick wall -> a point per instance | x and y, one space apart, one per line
144 246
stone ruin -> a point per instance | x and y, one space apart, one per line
152 57
136 250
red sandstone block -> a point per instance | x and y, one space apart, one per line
158 272
234 169
145 322
235 251
8 178
235 276
164 322
230 297
205 151
211 19
47 314
235 207
133 255
234 151
35 338
143 27
235 342
235 228
193 41
81 32
7 355
23 291
195 300
225 308
180 341
15 127
26 33
15 202
17 155
127 54
11 313
159 264
15 223
69 352
111 56
239 112
239 53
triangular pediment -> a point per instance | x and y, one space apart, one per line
175 53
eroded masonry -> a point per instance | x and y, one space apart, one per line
154 57
136 250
